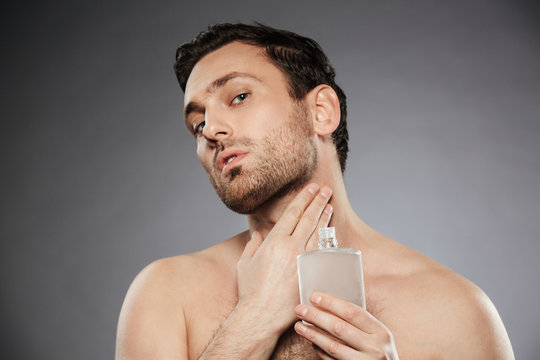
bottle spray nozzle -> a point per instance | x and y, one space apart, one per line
327 238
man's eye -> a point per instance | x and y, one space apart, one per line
239 98
199 128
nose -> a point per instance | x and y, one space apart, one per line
216 127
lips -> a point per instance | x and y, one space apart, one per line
229 158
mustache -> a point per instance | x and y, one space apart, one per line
228 143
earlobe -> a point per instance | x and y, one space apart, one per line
327 112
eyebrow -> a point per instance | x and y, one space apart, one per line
214 86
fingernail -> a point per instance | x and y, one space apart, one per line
312 188
326 192
316 299
328 209
301 310
300 327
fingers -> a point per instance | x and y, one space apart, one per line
252 245
322 354
312 215
344 330
324 220
349 312
294 212
331 346
334 326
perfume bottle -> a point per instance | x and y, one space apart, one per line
331 270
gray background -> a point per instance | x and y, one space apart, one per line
99 176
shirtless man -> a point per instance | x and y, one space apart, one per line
269 122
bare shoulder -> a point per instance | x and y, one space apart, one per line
452 315
153 316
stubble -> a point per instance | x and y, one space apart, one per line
286 160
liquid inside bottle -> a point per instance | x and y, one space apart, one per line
332 270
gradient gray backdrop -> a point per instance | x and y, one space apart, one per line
99 176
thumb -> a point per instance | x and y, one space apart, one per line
252 245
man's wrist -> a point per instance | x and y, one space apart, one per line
256 316
243 335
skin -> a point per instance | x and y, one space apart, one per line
239 299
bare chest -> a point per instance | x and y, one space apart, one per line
206 315
206 321
209 319
214 300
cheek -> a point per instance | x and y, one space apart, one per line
203 156
199 150
276 111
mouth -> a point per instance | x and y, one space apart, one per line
228 159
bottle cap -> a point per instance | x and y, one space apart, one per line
327 238
327 232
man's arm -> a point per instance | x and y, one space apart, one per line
151 323
475 329
268 282
267 294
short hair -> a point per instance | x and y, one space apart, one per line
300 58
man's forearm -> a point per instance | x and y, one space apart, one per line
243 335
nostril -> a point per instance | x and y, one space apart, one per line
216 128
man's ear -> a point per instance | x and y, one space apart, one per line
325 105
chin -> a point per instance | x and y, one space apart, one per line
256 198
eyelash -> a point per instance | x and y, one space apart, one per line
198 129
244 95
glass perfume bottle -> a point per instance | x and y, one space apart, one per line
331 270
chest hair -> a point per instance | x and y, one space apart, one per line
292 346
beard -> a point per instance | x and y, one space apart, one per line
286 159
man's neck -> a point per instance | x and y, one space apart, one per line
264 219
350 230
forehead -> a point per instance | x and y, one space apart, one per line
234 57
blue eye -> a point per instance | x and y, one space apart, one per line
239 98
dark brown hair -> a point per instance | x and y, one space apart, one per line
301 60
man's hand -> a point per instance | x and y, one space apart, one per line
343 330
267 270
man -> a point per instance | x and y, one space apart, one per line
270 127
